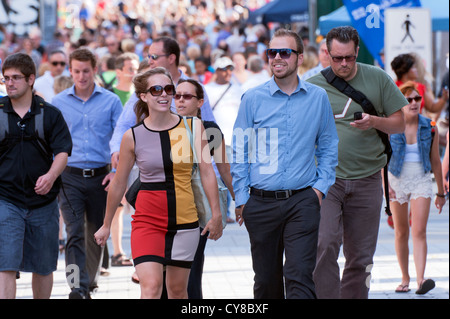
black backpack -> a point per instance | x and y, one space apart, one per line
38 124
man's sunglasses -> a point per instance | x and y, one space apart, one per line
227 68
55 63
284 53
156 56
339 59
417 98
157 90
187 97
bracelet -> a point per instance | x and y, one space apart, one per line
440 195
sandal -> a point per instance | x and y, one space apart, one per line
425 286
402 288
120 260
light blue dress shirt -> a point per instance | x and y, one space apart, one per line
91 125
128 117
283 142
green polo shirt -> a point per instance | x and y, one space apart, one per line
361 153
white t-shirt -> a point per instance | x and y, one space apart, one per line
44 85
226 110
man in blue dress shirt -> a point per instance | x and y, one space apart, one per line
91 113
284 159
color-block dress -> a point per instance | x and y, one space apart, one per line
165 225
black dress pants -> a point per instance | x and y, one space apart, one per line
288 226
83 204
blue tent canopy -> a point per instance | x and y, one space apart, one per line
438 10
283 11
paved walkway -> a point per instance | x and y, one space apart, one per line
228 270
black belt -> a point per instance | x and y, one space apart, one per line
87 172
282 194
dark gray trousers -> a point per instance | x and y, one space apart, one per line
287 226
82 204
350 216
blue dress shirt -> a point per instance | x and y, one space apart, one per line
91 124
283 142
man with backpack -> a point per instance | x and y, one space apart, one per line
35 143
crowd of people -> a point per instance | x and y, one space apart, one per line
119 98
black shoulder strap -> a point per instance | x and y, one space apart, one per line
348 90
39 117
4 124
39 126
220 98
359 98
368 108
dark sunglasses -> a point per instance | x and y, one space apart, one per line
187 97
417 98
61 63
284 53
227 68
339 59
155 56
157 90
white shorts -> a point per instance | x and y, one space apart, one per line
412 183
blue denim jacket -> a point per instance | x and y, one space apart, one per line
424 141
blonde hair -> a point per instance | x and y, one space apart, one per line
423 76
61 83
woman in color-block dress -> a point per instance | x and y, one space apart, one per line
165 228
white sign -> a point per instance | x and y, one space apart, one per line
407 30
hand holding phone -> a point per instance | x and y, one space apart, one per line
357 116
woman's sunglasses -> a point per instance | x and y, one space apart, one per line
417 98
284 53
187 97
157 90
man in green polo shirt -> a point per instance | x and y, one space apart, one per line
350 214
126 66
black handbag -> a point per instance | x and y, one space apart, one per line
132 192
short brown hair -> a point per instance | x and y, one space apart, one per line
343 34
170 46
288 33
21 61
83 54
120 60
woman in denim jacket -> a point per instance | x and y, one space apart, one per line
415 156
